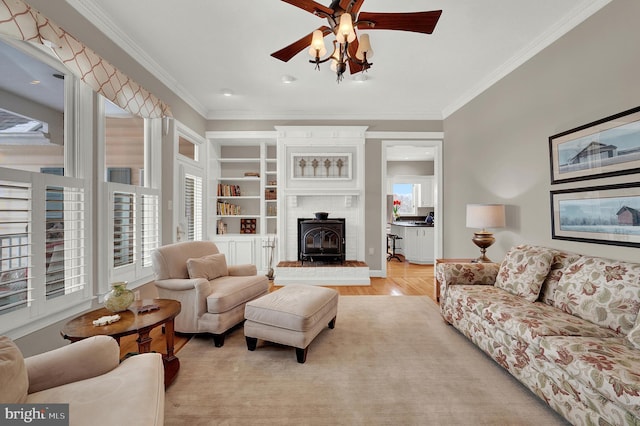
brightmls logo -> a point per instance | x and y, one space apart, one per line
34 414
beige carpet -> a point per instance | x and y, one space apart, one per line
389 361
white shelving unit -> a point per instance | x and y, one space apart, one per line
248 199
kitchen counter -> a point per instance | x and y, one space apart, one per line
412 223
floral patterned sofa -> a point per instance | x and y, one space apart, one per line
563 324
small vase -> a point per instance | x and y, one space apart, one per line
119 298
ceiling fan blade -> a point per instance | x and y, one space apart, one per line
418 22
344 4
310 6
296 47
353 66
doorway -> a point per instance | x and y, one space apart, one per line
418 164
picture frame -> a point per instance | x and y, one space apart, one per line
603 148
327 166
608 214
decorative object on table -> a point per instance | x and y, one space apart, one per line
119 298
270 244
107 319
485 216
606 147
608 214
396 207
321 215
148 308
247 226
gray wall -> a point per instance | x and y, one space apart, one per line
410 168
496 146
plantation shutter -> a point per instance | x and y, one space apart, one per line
193 206
15 244
150 227
123 228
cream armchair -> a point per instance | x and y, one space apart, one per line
212 294
89 376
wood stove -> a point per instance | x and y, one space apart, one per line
321 240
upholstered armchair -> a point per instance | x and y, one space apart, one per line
212 294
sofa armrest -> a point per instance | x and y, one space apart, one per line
81 360
242 270
448 274
467 273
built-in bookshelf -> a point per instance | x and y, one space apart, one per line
243 186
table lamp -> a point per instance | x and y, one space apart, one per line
484 216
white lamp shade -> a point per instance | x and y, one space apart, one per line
364 45
486 216
345 29
317 47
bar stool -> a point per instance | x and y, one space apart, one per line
393 255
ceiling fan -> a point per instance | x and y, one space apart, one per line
343 16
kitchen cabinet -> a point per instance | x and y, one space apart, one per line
427 198
418 246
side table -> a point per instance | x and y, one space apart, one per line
445 260
133 322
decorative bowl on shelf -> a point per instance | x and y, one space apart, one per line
321 215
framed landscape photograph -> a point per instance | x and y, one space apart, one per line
601 214
607 147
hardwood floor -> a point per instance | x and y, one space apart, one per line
403 279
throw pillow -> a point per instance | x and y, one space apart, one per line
603 291
209 267
14 381
523 271
561 260
634 334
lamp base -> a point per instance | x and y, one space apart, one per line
484 240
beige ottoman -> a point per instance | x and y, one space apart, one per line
292 316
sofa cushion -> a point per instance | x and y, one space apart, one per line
634 335
561 260
603 291
231 291
14 381
209 267
523 271
608 365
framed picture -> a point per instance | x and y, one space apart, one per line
601 214
607 147
321 166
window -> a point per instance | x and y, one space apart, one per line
409 196
44 243
132 206
188 148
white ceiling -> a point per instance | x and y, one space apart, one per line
201 47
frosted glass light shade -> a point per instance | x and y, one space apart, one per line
317 47
364 46
345 29
485 216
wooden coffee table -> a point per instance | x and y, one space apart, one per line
133 322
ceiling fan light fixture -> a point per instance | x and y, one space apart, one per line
317 47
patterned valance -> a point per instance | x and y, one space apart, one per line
21 21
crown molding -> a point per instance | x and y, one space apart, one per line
94 14
299 115
571 20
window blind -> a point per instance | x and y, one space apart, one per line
124 227
193 206
15 245
150 227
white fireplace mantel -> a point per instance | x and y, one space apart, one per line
341 197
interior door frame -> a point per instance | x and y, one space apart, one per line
424 139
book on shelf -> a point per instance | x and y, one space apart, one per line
224 208
226 190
